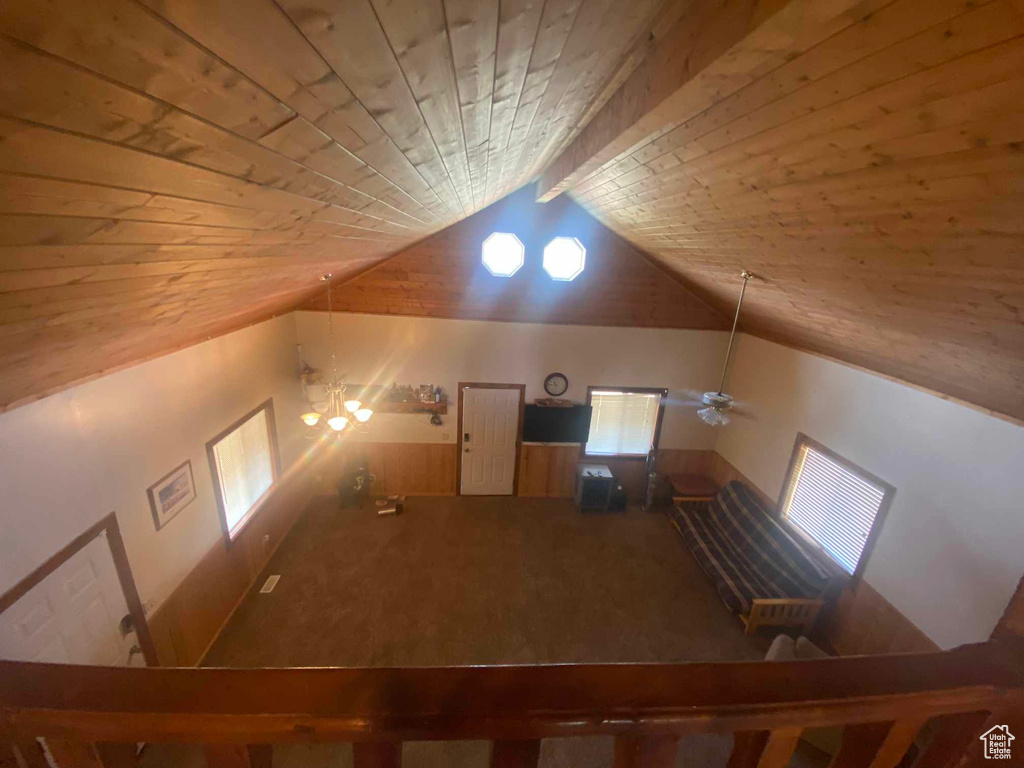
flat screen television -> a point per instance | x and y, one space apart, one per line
556 425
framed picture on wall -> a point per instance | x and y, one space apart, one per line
172 493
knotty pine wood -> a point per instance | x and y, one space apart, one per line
420 469
189 620
442 276
872 178
548 471
201 164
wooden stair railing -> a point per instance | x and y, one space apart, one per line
87 714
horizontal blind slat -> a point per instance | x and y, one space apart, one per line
833 505
244 467
622 423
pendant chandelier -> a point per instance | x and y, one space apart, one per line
338 411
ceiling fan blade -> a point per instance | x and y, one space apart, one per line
743 413
689 399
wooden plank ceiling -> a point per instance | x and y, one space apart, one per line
171 169
870 167
442 276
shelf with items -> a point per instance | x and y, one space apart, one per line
382 399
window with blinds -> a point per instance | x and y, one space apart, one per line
244 467
622 423
833 503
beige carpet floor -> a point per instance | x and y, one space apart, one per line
481 581
494 580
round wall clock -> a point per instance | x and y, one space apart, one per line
556 384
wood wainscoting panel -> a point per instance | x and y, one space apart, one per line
864 622
186 623
548 470
416 469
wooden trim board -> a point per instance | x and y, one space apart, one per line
231 534
888 493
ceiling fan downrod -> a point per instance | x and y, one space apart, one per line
747 276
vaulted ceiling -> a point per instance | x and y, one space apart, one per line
173 169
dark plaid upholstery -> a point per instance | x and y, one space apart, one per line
745 551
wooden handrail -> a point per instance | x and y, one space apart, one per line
652 703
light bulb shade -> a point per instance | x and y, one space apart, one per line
713 416
311 418
352 405
363 414
337 423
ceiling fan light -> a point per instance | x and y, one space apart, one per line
311 418
363 414
337 423
352 405
713 417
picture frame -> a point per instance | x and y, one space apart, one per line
172 493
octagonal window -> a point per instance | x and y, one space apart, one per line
502 254
564 258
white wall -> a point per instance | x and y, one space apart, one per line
952 549
384 349
72 458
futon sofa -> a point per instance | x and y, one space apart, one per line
760 570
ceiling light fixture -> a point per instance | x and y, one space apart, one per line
334 413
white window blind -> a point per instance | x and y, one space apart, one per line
832 504
622 423
244 467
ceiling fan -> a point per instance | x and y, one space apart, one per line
714 408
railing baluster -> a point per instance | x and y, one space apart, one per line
897 741
954 735
779 748
747 748
7 757
645 751
261 755
377 754
68 753
31 752
227 756
515 753
861 743
118 755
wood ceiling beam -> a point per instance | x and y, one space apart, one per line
713 50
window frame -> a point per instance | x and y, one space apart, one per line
663 391
230 536
888 493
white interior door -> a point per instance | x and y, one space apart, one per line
73 615
490 423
